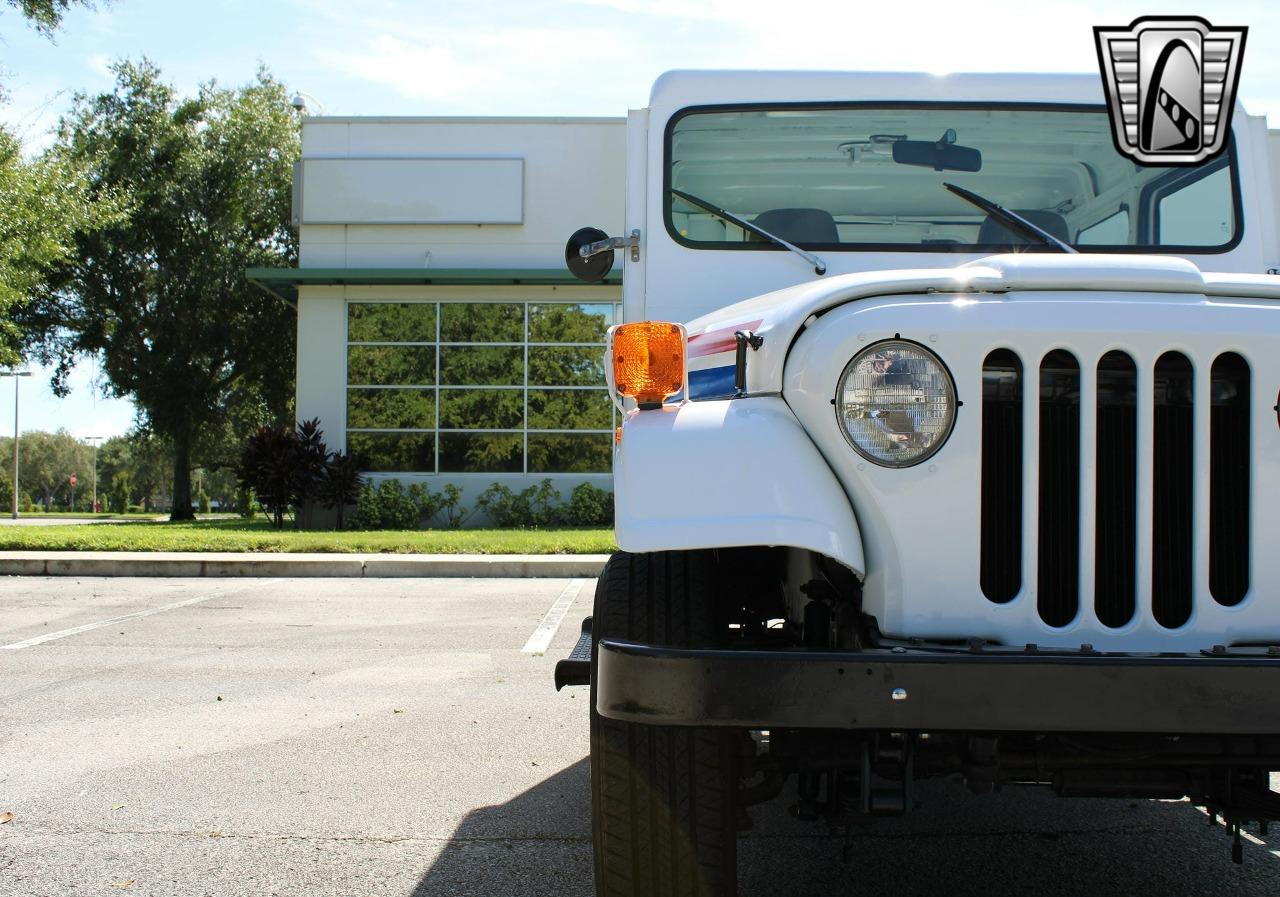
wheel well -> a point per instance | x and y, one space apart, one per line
772 594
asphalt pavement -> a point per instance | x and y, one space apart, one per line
391 737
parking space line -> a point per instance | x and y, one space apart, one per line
546 631
63 633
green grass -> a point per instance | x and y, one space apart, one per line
240 535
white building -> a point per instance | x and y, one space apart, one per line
440 335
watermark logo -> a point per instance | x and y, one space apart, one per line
1171 87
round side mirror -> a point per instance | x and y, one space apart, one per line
590 270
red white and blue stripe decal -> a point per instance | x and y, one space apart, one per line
711 364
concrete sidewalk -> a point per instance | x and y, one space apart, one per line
196 563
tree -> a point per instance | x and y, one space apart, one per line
120 492
47 462
44 203
161 294
142 463
46 15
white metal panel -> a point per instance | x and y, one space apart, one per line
782 314
322 387
1271 140
325 136
919 524
725 474
413 191
573 176
633 283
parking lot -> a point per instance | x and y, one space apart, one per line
389 737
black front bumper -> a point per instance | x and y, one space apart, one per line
1233 693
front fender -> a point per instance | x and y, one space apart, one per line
725 474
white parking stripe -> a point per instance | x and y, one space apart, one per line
546 631
63 633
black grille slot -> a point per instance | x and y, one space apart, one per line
1172 459
1001 526
1116 530
1229 480
1058 555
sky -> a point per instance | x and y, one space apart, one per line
537 57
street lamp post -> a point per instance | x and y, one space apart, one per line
95 440
15 375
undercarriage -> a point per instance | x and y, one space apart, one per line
807 702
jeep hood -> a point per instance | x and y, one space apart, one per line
780 316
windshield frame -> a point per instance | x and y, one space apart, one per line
1153 189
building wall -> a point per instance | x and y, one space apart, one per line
573 172
457 384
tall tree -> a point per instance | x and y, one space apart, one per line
46 15
161 295
44 203
48 461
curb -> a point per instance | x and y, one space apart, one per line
354 566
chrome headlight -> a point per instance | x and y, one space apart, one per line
896 403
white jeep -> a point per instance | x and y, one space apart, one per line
966 474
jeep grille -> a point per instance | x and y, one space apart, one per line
1134 432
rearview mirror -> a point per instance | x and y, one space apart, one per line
939 155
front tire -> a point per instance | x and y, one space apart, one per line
662 797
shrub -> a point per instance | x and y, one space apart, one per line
267 467
340 483
386 506
245 502
389 505
426 501
291 467
589 506
118 495
311 459
451 508
535 506
202 502
504 507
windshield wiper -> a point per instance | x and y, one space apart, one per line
1011 219
819 266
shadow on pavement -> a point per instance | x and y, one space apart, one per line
537 843
1019 841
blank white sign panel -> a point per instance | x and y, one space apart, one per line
413 191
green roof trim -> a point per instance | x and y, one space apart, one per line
284 282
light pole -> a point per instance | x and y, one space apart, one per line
93 508
15 375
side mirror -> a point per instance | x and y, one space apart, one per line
594 268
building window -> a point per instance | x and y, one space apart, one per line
479 387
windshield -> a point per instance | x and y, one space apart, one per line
872 177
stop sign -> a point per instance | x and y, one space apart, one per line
73 479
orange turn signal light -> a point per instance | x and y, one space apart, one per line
648 361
